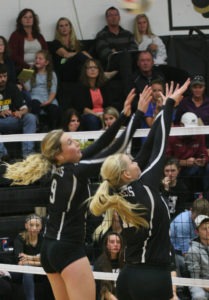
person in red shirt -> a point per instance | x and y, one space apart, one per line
192 154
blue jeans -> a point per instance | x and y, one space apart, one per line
11 125
91 122
29 286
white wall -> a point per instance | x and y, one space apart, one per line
86 15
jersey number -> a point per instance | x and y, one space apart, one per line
53 191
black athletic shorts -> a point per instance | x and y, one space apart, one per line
143 282
56 255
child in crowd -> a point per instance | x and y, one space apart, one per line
43 87
110 115
27 247
174 190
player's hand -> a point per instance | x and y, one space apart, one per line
176 93
144 99
128 102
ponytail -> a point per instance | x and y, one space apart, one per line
128 212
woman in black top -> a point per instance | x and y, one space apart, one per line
110 260
63 255
132 185
27 248
67 53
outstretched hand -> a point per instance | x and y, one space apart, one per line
128 102
144 99
175 93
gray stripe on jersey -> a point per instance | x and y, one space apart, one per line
72 193
155 161
121 149
143 259
68 207
61 226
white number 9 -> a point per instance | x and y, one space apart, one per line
53 191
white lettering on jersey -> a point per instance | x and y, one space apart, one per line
53 191
59 171
128 192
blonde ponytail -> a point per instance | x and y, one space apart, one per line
27 171
128 212
36 165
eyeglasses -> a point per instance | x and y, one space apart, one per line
92 67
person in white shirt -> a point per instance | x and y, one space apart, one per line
147 40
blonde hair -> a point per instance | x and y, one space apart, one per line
110 110
74 43
104 226
36 165
103 201
138 36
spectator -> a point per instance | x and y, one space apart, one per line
5 59
93 96
114 45
174 189
27 247
197 102
197 260
67 53
146 72
110 115
147 40
192 154
43 88
14 114
111 260
156 104
183 231
71 120
26 40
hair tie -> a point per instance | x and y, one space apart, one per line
106 179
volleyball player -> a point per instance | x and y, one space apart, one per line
131 187
63 256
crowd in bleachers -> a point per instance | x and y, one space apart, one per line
98 81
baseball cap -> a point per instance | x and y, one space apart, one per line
189 119
198 79
200 219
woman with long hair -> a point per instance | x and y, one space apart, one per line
110 260
6 59
147 40
67 53
131 187
26 40
27 248
94 94
63 254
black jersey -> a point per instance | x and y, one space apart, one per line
69 186
152 245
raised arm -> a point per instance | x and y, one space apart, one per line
120 143
152 154
108 136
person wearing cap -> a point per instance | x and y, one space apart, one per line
182 231
191 151
197 102
197 258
